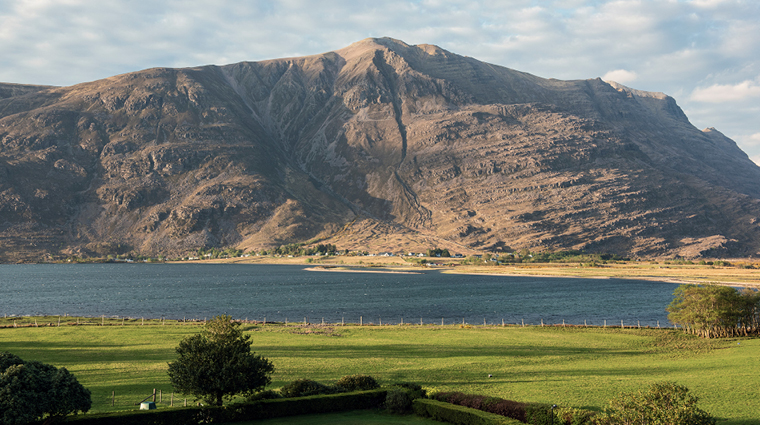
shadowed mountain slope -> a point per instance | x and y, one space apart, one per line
380 146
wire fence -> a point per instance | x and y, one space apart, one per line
65 320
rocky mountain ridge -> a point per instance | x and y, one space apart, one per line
380 145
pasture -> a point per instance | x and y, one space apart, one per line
573 366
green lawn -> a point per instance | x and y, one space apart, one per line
567 366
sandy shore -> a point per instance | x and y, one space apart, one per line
364 270
644 270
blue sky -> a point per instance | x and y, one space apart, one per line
704 53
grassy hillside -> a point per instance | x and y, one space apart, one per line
567 366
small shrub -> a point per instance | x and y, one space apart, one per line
357 383
415 391
572 416
541 414
304 387
398 401
663 403
265 395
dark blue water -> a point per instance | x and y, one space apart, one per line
279 292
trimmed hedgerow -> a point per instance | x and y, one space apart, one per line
236 412
530 413
507 408
459 415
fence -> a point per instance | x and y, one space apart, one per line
65 320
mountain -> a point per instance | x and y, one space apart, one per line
380 146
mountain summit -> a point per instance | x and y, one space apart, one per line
379 146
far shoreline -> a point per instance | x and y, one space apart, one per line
658 271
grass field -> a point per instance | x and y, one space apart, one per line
579 367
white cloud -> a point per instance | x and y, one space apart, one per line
620 76
721 93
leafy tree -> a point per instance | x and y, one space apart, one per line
715 311
31 391
664 403
218 363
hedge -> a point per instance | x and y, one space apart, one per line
460 415
236 412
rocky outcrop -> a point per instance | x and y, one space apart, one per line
378 144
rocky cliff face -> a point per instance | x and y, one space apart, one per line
380 145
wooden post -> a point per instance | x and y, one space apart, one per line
122 321
639 324
185 402
154 395
484 322
380 320
402 320
342 320
658 324
103 320
621 325
142 323
323 320
502 322
361 321
171 404
35 323
563 323
542 323
113 398
584 323
59 321
420 321
441 321
605 323
304 321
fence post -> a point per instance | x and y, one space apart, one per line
621 325
523 323
361 321
154 395
113 398
542 323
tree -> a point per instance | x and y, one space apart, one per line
218 363
31 391
664 403
715 311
